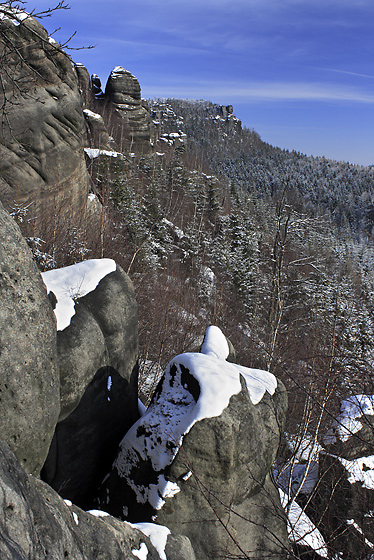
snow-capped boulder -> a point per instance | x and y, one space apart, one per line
199 459
97 352
96 315
29 380
37 523
346 466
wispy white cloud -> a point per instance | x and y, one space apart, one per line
151 47
348 73
260 91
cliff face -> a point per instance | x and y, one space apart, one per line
43 129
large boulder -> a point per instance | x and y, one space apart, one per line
97 354
43 129
199 460
29 380
36 523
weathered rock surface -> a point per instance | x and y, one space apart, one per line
102 333
97 356
123 92
97 134
84 83
85 443
43 129
200 457
230 503
29 380
36 523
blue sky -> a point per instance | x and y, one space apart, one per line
300 72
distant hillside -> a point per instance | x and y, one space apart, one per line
319 186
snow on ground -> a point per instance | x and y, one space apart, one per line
195 386
348 421
158 535
301 530
72 282
305 448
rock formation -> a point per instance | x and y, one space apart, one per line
43 129
36 523
199 460
84 83
346 465
102 331
29 378
97 133
97 358
122 92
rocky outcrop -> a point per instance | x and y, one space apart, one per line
36 523
199 460
97 358
97 133
352 433
43 129
96 87
29 379
101 333
123 93
84 84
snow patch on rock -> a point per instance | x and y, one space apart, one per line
348 421
157 534
142 553
195 386
73 282
96 152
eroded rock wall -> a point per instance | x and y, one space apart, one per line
29 377
43 129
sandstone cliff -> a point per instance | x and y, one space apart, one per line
41 150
